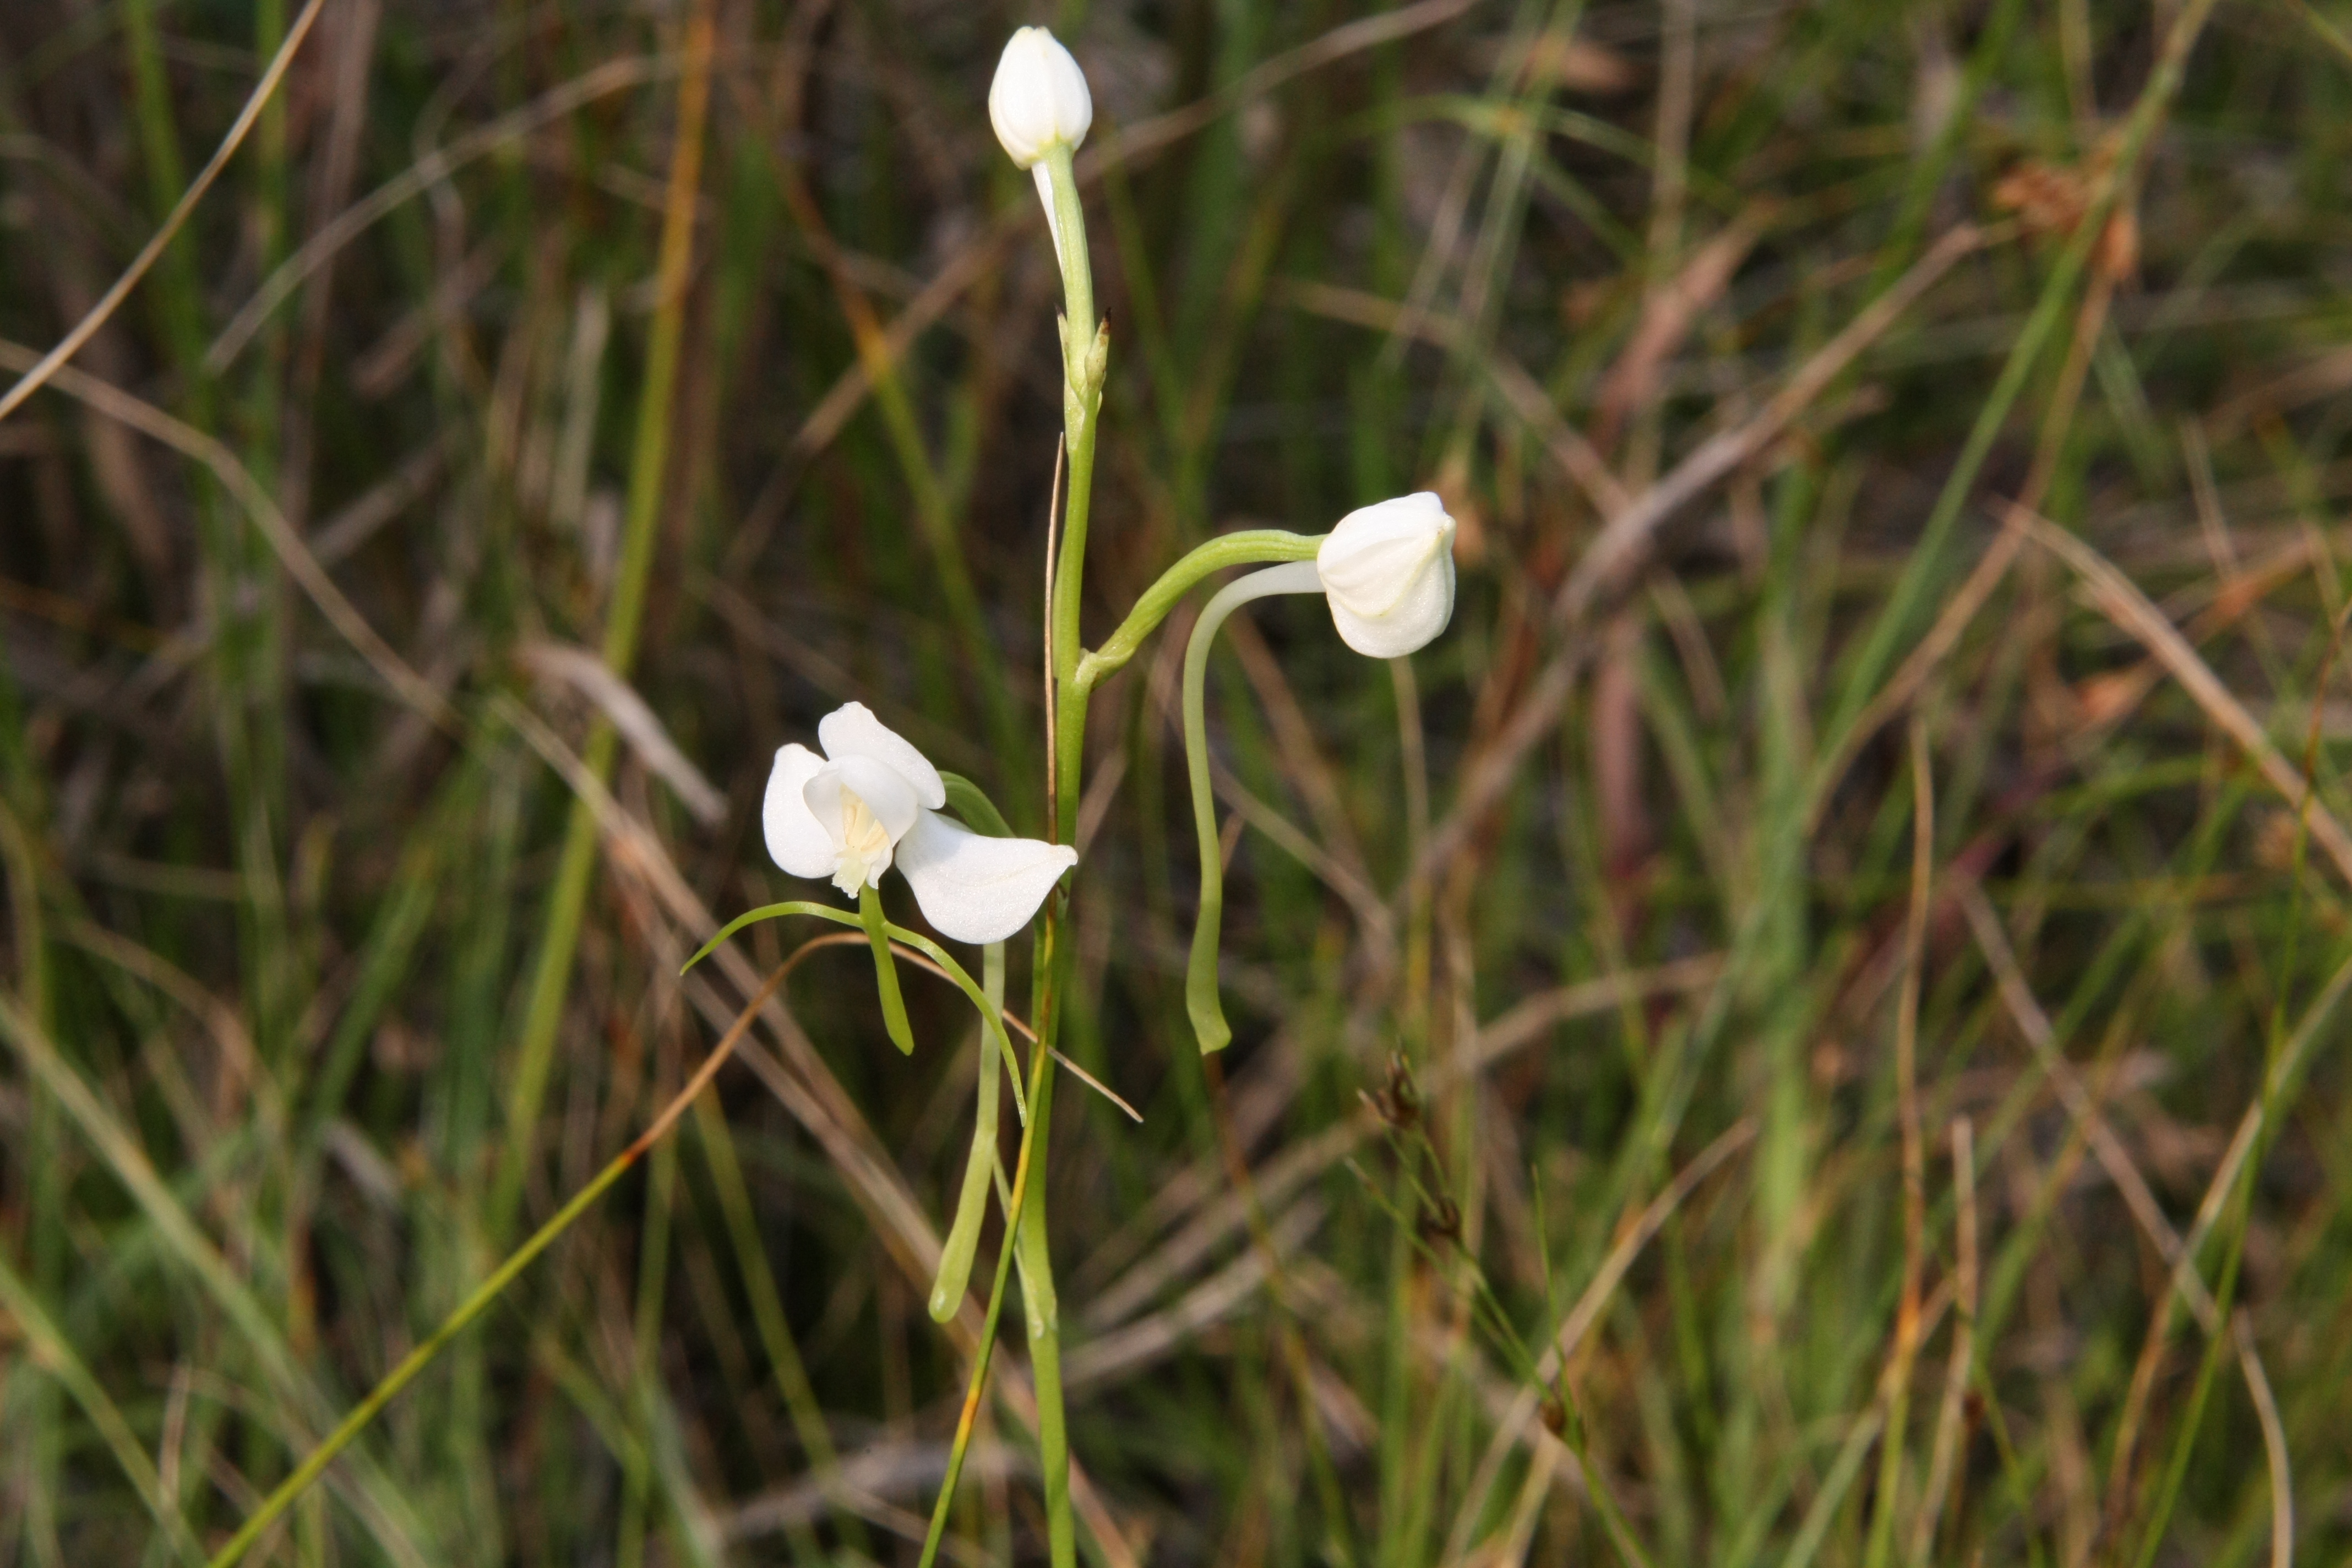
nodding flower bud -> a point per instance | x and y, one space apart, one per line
1039 97
1388 575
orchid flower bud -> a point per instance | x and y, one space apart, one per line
1388 575
873 802
1039 103
1039 97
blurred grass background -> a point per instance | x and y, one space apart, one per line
1812 1041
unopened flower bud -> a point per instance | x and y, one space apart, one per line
1039 97
1388 575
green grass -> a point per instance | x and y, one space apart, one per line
1572 969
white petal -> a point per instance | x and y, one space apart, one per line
885 791
977 889
853 732
795 839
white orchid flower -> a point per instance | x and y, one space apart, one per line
1039 103
1387 572
871 802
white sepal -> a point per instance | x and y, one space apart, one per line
796 841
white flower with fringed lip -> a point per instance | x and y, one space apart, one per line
871 802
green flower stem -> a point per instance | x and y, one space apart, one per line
990 1013
886 971
1200 999
971 1205
1086 350
968 801
1251 547
1041 1086
1041 1308
1077 261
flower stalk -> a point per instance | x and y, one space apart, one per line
1085 353
1085 350
1202 1003
1041 1066
1249 547
1386 573
971 1205
885 972
1041 112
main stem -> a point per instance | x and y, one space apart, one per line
1081 403
1026 1244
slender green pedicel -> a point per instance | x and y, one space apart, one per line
1201 1003
886 971
972 1204
968 801
1248 547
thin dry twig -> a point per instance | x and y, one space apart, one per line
2274 1449
2121 601
40 372
1127 149
1622 549
1669 311
301 565
1514 1423
1944 1456
589 675
1909 1333
2081 1106
612 76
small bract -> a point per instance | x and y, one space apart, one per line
1388 575
872 800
